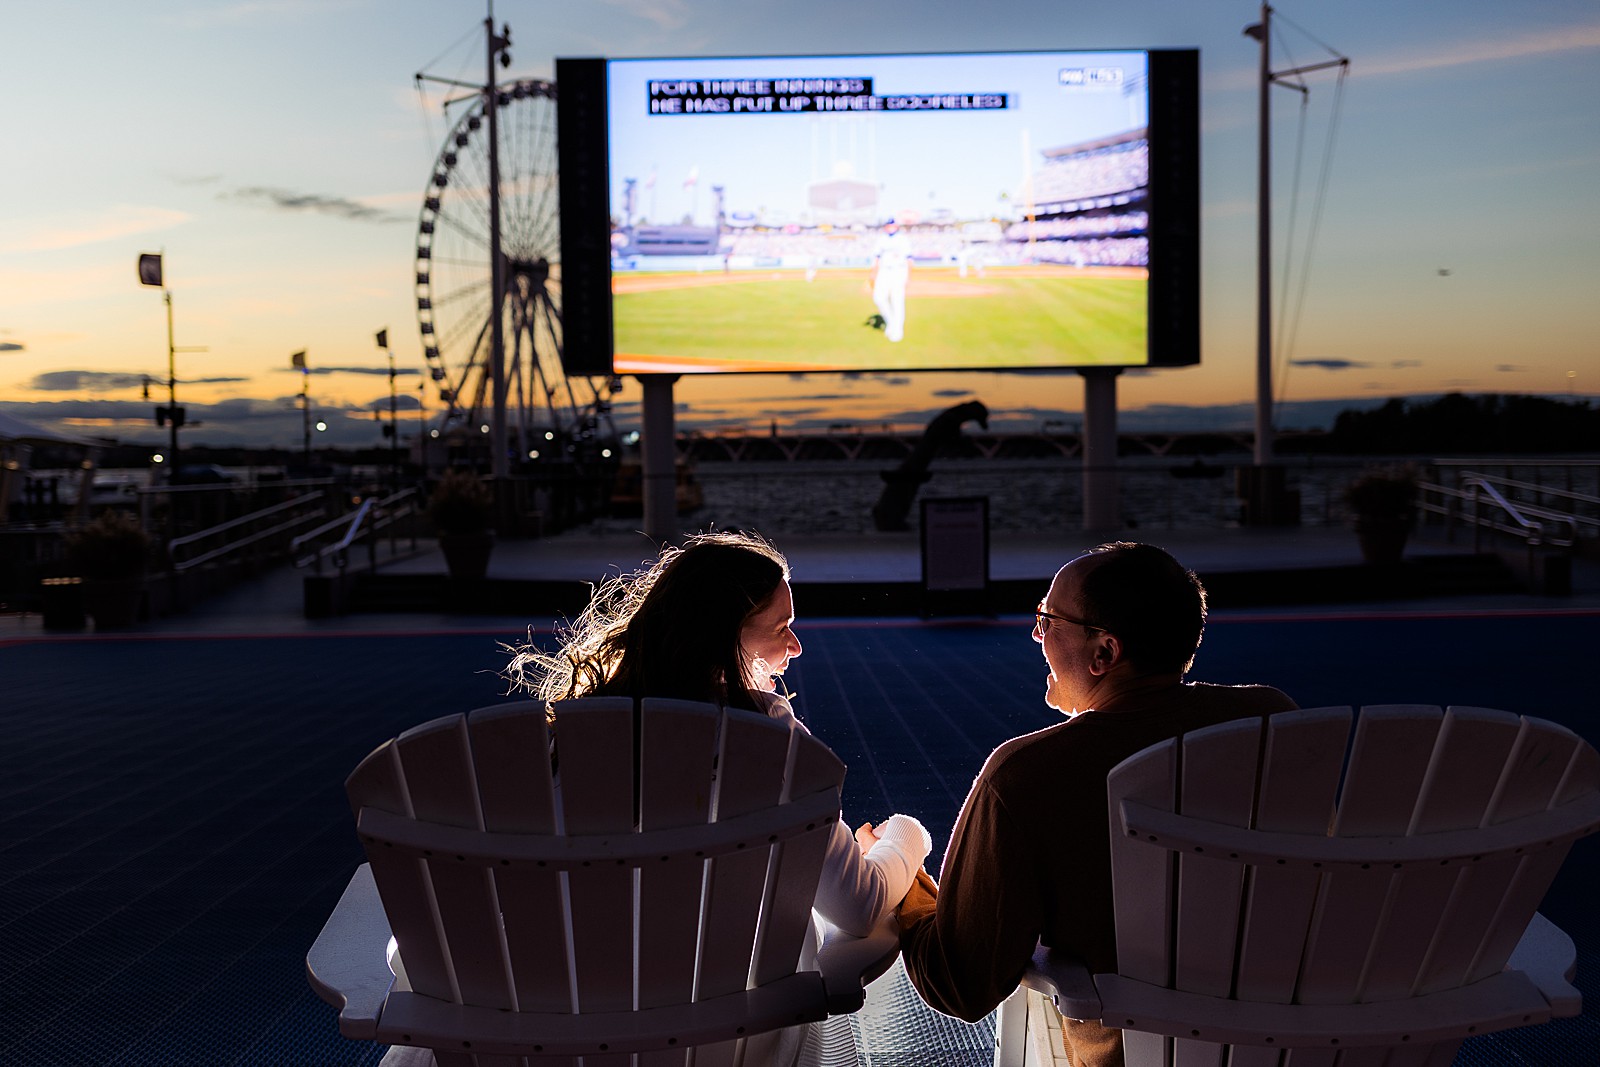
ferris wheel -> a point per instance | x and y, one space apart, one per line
547 413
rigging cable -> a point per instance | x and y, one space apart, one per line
1289 321
430 135
1319 204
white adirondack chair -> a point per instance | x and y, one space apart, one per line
1272 894
550 913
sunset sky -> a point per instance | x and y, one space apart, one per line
277 152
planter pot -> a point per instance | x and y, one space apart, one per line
467 554
1383 537
113 603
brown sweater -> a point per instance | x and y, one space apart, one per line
1030 857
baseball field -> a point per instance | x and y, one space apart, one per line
772 320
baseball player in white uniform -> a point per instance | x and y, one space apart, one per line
891 269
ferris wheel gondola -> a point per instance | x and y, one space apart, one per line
548 414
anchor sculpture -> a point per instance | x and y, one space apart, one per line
900 484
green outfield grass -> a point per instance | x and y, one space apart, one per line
1008 321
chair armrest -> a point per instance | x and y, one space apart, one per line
848 963
1065 980
1547 956
347 964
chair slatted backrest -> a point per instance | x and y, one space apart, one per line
1204 916
604 923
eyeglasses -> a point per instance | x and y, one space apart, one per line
1042 619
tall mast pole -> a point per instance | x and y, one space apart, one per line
497 355
1262 32
1263 451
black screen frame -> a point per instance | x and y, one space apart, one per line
1173 338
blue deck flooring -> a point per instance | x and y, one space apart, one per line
173 830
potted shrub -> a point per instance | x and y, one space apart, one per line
1383 503
110 554
461 509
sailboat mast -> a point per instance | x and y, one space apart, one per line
1263 445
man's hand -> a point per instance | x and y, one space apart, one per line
921 899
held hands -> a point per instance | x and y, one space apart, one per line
867 835
921 899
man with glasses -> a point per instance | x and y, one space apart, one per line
1030 858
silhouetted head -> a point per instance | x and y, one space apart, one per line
1121 614
1155 604
677 629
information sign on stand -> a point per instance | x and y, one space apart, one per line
955 555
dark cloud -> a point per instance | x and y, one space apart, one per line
402 402
1401 364
10 346
748 403
400 372
916 417
1037 415
248 421
1509 368
952 392
337 206
99 381
1329 364
85 381
1291 414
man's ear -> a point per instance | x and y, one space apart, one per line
1107 653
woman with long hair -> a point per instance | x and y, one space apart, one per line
709 621
713 622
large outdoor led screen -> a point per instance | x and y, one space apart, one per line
888 213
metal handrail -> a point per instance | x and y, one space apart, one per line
234 546
388 514
338 547
1542 490
1474 487
255 516
312 535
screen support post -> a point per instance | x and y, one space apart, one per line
658 454
1101 508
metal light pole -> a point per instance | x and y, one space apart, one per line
499 465
151 273
298 362
394 411
172 386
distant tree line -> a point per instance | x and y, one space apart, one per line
1488 423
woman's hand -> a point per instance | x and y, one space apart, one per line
866 837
